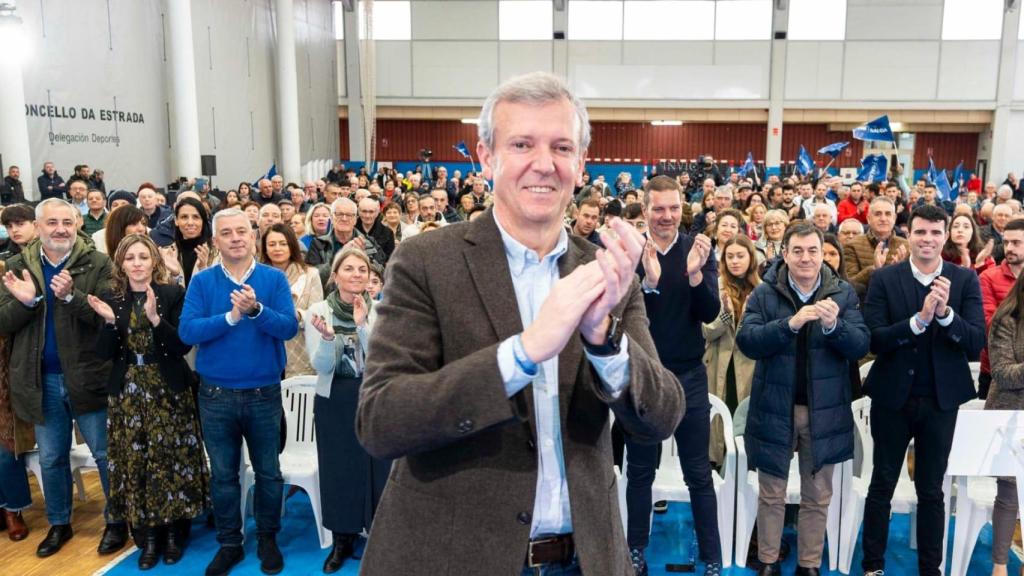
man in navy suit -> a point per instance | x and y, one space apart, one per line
926 323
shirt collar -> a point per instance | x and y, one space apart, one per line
252 267
804 296
668 248
925 279
57 263
519 255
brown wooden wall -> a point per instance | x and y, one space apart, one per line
401 140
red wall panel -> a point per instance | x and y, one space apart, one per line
344 149
946 149
816 136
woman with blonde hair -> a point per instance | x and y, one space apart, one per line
157 468
730 372
769 245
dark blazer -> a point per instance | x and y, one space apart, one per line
891 301
170 350
460 496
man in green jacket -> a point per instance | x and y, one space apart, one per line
55 375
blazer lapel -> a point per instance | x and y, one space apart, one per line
488 268
908 284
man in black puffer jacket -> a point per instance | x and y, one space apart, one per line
803 326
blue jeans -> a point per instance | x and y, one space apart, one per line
228 415
692 437
54 440
14 492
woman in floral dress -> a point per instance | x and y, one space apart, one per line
157 468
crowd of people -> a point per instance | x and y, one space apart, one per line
163 323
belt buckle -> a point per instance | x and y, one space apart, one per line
140 360
529 555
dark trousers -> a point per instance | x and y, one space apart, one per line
932 431
228 416
692 437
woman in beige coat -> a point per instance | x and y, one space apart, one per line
729 371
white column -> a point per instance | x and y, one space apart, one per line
354 84
290 163
776 90
999 165
185 107
14 146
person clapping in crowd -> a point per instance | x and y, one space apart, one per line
156 464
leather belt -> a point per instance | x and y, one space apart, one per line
553 550
133 359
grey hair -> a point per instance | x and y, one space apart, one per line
54 202
342 202
226 213
533 88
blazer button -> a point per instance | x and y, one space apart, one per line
464 426
524 518
910 372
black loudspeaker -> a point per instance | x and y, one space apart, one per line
209 163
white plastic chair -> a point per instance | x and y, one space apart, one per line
669 484
973 512
299 465
748 489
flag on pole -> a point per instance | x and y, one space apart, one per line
942 187
747 166
462 149
958 180
834 149
804 162
877 130
872 168
932 175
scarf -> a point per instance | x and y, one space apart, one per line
349 352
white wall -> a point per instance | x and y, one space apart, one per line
82 58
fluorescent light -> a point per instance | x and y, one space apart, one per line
666 122
470 120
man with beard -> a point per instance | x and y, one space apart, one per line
587 220
12 192
996 283
50 184
57 382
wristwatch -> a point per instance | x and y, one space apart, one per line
612 343
255 310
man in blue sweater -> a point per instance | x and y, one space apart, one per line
680 286
239 315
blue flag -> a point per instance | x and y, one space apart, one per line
958 179
872 168
942 187
804 162
747 166
462 149
932 174
877 130
834 149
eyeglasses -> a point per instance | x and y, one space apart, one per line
638 224
344 215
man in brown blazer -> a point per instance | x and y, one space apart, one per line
879 247
498 351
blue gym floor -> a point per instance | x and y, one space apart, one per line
671 542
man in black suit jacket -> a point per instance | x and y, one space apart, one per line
926 324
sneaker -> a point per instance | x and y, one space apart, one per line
661 506
636 556
874 573
713 569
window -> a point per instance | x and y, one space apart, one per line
743 20
669 20
338 9
817 20
525 20
392 20
972 20
595 20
